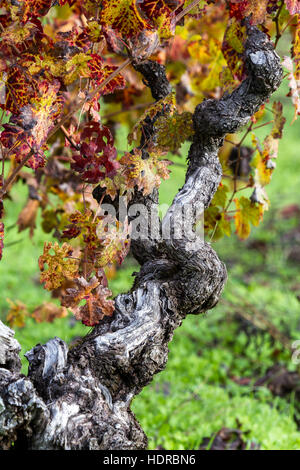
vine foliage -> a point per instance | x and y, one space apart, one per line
69 79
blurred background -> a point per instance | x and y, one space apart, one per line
230 381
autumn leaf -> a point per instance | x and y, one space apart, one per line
263 174
247 213
124 16
258 10
293 85
49 66
279 120
17 314
17 33
83 224
99 72
221 196
173 130
97 305
28 131
216 223
209 52
296 50
161 14
237 8
167 103
43 111
114 237
233 48
242 8
146 174
116 185
80 290
76 67
60 265
35 8
94 31
262 162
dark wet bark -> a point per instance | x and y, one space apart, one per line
80 398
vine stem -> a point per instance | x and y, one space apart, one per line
186 10
69 138
276 21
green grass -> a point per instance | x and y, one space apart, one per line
196 395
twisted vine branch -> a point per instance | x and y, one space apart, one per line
80 398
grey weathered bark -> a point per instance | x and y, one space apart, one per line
80 398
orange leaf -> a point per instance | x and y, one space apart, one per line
18 90
161 14
48 312
60 266
296 50
99 72
95 294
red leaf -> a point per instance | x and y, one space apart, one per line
237 9
95 294
233 48
241 9
98 156
34 8
18 90
99 72
28 131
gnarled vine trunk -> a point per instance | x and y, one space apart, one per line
80 398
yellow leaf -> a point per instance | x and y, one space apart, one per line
246 212
123 16
220 197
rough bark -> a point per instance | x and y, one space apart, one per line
80 398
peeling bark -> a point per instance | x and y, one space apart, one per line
80 398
